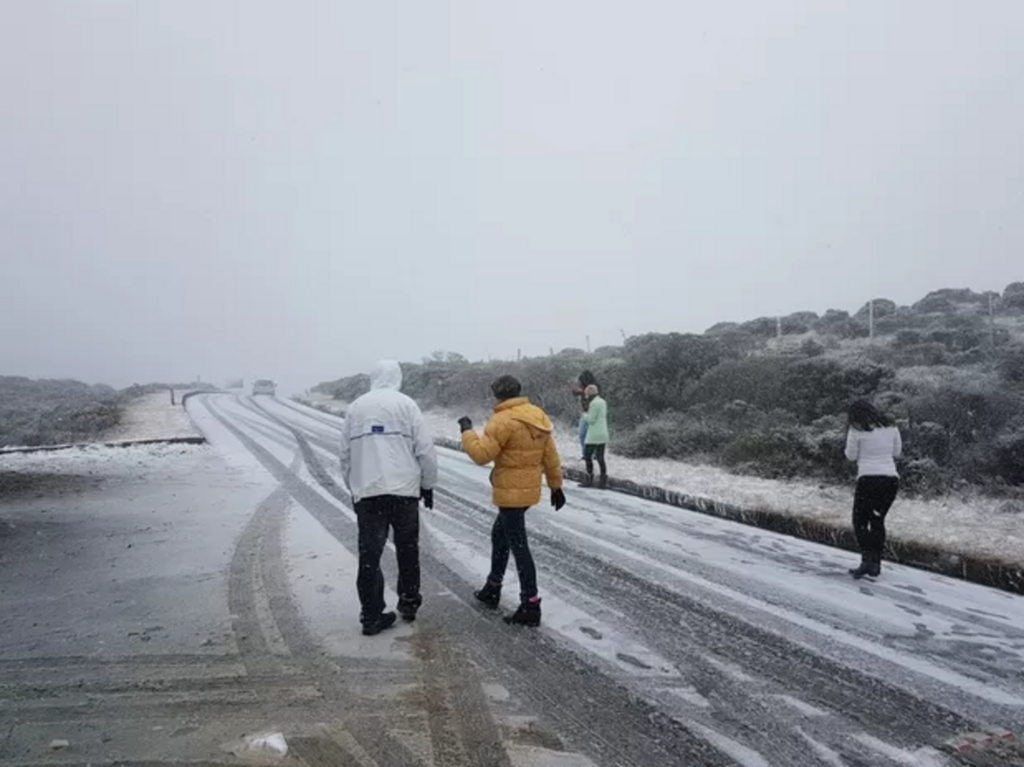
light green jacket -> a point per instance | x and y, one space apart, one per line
597 422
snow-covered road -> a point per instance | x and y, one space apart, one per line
669 637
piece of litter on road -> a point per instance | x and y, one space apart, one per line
59 745
268 744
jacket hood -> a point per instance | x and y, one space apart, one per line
386 375
520 409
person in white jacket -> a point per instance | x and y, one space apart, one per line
875 444
389 464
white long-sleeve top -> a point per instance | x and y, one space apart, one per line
386 446
875 451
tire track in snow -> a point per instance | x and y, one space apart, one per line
455 707
602 719
691 634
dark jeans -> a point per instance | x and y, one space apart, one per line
375 516
871 502
590 452
509 534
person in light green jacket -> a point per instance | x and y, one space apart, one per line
597 437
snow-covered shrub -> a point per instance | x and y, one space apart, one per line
47 412
1011 363
924 476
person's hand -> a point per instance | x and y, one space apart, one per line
557 499
427 496
465 424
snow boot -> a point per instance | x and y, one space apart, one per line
528 614
875 564
407 608
490 594
385 621
602 482
864 568
588 481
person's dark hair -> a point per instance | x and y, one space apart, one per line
864 416
586 379
506 387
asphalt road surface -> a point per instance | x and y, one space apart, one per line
160 605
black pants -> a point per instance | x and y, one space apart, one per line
590 452
509 534
871 502
375 516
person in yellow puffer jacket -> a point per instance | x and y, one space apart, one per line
519 439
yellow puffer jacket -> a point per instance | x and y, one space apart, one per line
519 440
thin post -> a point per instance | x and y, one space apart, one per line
991 321
588 344
519 354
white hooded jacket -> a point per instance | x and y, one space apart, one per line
386 447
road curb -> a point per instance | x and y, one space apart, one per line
197 440
984 572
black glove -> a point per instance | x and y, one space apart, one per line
427 496
557 499
465 424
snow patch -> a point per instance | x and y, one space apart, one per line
923 757
601 639
532 756
98 459
912 662
152 416
688 695
804 708
744 756
823 752
322 574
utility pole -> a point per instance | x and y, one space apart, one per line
588 344
871 320
992 321
623 332
519 354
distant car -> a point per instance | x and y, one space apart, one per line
263 386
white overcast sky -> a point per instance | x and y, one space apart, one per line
296 189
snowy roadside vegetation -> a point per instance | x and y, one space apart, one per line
50 412
57 412
745 401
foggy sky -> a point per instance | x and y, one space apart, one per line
294 190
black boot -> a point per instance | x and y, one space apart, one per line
875 564
490 594
863 569
602 482
384 621
407 608
528 614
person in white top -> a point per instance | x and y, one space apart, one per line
875 444
389 464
